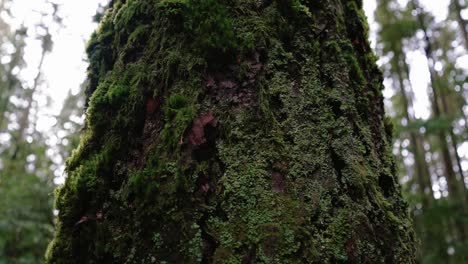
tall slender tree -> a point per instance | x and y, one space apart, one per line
440 224
455 186
397 26
456 8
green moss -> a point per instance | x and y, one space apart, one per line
300 8
179 113
357 21
137 38
129 12
195 245
288 170
355 72
212 26
172 7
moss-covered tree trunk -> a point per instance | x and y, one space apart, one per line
233 132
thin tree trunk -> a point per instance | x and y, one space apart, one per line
461 22
24 120
454 143
11 80
421 169
455 188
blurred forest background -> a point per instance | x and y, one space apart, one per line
424 59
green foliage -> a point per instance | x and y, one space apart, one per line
26 221
26 216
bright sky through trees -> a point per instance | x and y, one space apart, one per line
65 67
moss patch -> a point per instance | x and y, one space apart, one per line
232 132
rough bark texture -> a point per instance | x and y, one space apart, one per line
233 132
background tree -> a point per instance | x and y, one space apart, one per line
26 185
440 214
68 127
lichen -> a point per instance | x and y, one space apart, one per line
232 132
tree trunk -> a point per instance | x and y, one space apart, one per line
421 168
233 132
24 119
456 187
10 81
461 21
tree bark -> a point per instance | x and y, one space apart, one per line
233 132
